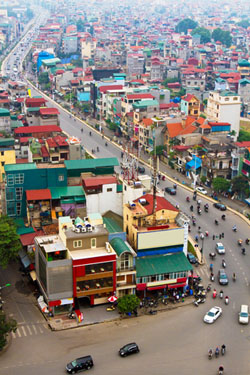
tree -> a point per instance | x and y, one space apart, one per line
244 23
80 25
186 24
9 241
222 36
240 185
6 326
204 34
220 184
243 136
43 78
128 303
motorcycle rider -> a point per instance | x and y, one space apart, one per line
210 353
223 263
217 351
221 370
234 228
216 222
226 300
223 349
234 276
221 294
211 267
243 250
191 208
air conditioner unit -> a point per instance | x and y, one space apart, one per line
77 230
83 230
89 229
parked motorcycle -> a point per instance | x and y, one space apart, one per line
110 308
152 312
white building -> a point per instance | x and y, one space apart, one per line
102 194
5 120
224 106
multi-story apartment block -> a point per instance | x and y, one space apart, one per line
224 106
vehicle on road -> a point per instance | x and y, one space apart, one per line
220 248
213 314
141 169
244 314
80 364
192 259
170 190
201 190
220 206
222 277
129 349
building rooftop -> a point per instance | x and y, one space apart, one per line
91 163
91 253
98 230
145 103
19 167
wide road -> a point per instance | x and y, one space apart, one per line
175 342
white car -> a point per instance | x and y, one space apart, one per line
201 190
212 314
220 248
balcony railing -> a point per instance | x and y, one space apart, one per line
94 291
127 269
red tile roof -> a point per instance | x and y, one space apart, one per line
161 203
169 105
44 152
24 139
139 96
104 89
38 129
243 144
35 102
147 121
211 123
188 97
40 194
28 238
98 181
49 111
21 161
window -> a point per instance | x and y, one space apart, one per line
10 180
61 177
235 98
93 243
19 193
2 153
109 190
10 194
226 99
77 244
2 163
18 208
11 208
19 178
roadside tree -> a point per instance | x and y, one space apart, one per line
9 241
128 303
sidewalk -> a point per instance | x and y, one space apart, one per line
99 314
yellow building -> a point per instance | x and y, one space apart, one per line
160 242
190 105
7 154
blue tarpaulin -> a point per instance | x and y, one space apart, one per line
195 163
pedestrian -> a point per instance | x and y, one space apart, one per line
177 297
183 295
213 237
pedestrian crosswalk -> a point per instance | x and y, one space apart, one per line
26 330
203 272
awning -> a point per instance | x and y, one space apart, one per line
173 286
157 287
24 259
33 275
247 201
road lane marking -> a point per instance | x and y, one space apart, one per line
45 326
18 332
40 329
30 332
24 332
34 328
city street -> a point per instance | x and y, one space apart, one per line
173 342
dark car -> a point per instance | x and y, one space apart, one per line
222 277
141 169
220 206
192 259
80 364
129 349
170 190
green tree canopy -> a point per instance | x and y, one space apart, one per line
6 326
128 303
222 36
244 23
243 136
220 184
204 34
240 185
186 24
80 25
43 78
9 241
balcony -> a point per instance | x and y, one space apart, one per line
95 276
94 291
127 269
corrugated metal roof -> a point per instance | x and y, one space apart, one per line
111 225
91 163
38 194
119 246
162 264
67 192
19 167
